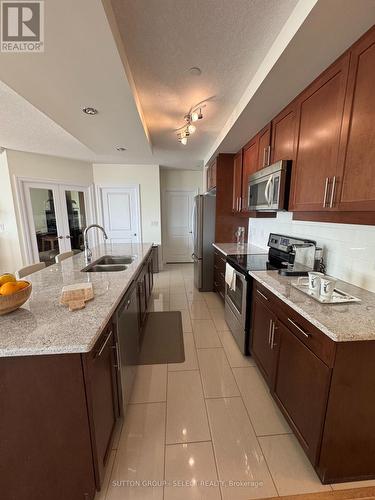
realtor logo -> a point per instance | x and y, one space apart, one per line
22 26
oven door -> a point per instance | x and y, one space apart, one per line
236 299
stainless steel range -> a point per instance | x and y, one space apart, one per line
291 256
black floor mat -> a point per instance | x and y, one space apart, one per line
163 340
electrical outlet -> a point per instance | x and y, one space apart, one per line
155 223
2 228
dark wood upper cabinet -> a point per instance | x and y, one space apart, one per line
319 115
264 147
301 389
249 166
358 152
237 181
283 134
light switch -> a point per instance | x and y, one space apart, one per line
2 228
155 223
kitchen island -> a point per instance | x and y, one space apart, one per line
62 376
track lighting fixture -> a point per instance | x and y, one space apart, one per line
185 131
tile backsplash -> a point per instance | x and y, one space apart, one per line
349 250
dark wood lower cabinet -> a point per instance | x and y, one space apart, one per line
301 388
45 445
219 273
263 328
325 389
100 370
59 412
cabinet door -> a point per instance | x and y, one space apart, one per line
358 186
103 390
283 134
237 181
301 389
250 155
319 115
262 330
264 147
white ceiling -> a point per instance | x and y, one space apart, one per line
226 39
131 60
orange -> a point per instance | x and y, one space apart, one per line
5 278
11 287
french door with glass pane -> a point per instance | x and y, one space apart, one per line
56 216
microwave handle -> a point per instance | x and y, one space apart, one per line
271 191
267 189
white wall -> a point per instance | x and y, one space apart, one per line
349 250
45 168
148 178
10 251
49 168
188 180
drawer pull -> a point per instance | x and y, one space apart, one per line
307 335
262 294
270 332
104 345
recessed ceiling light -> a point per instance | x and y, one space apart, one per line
120 148
195 71
90 111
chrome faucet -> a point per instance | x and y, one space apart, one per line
88 252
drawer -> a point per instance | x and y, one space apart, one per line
263 294
220 260
321 345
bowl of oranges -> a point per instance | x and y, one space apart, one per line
13 293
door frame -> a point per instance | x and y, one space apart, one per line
25 229
99 203
163 218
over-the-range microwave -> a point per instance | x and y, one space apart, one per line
268 189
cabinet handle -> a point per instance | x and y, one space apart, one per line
268 155
264 156
262 294
100 352
273 335
127 304
240 204
325 193
270 332
307 335
333 192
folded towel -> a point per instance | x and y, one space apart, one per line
230 277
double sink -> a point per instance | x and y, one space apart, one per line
109 263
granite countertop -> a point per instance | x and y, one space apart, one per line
232 249
341 322
43 326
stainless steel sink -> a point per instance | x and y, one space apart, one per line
104 268
109 264
115 259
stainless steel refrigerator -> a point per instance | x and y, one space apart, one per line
203 229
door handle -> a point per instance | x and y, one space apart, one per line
68 237
61 237
268 155
270 333
333 192
325 193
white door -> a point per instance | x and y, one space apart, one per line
55 217
121 214
177 225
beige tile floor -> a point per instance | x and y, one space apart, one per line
207 428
